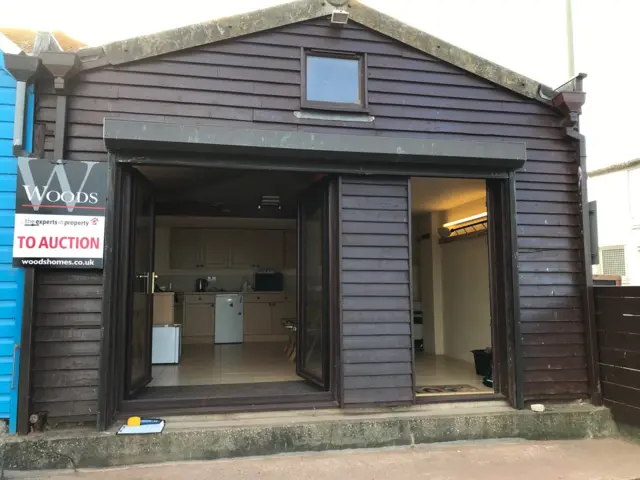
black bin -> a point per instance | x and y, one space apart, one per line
482 359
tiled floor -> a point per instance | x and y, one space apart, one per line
267 362
440 370
226 364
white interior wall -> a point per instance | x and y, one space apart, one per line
466 301
429 271
453 285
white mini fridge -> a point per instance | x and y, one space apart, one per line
166 344
229 319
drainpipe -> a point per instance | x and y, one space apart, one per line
18 117
63 66
24 69
570 102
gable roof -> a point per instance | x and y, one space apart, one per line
182 38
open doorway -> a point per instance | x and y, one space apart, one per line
228 292
452 329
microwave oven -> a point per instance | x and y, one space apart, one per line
268 282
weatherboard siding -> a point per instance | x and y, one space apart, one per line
254 81
375 278
11 279
66 345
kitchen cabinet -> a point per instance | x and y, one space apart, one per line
185 249
163 308
268 249
193 248
257 319
268 297
290 249
209 298
256 249
198 324
216 244
263 320
243 250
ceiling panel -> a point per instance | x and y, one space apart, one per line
439 194
225 192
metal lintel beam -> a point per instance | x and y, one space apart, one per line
136 136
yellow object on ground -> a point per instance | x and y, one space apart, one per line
133 421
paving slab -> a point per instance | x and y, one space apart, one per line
597 459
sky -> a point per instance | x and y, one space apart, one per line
528 36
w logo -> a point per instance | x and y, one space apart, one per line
72 188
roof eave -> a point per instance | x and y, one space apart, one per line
191 36
616 167
8 46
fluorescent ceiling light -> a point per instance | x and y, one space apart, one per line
466 220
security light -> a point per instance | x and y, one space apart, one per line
339 17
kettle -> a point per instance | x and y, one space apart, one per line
201 285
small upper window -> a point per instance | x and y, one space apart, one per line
333 81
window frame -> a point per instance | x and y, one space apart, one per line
335 106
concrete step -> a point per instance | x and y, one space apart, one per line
265 433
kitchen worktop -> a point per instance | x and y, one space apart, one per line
233 293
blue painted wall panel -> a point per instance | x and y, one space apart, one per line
11 279
6 149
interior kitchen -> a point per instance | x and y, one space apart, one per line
224 302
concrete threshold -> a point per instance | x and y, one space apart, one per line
210 437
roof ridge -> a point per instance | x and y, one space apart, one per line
189 36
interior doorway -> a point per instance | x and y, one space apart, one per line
227 295
453 332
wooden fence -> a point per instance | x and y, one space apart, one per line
618 324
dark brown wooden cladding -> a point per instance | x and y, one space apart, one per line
66 348
618 324
376 293
254 81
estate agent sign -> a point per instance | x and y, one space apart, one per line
60 209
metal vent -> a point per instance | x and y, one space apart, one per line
612 261
270 201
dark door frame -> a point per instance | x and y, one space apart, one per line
320 191
504 297
139 185
149 143
117 284
504 278
505 290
